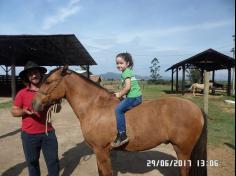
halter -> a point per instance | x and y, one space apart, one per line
49 93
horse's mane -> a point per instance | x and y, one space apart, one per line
90 81
81 76
49 74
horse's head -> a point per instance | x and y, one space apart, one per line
51 90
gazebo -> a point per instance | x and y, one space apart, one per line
209 60
46 50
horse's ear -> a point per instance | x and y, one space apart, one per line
65 70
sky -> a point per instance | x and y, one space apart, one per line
170 30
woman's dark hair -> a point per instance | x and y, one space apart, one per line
127 57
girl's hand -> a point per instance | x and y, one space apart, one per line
117 94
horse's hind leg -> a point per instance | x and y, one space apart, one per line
103 162
184 155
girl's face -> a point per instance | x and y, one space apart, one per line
121 64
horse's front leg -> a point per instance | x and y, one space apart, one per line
103 162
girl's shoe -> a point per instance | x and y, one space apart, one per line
120 140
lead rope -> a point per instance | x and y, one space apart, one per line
48 118
51 109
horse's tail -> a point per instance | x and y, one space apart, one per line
199 153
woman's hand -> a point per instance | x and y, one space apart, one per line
19 112
28 112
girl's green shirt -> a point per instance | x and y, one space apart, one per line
135 90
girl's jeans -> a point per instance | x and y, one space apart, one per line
123 106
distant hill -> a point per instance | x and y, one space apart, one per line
116 76
220 76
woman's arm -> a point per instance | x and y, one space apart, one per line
125 90
18 112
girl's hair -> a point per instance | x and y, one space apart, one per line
127 57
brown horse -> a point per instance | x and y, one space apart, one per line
167 120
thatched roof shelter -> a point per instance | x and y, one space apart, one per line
210 60
46 50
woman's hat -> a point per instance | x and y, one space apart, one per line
30 65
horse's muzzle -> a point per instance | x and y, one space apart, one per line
37 106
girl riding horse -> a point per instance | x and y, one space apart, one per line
167 120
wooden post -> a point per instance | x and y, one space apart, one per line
229 82
7 72
177 80
213 76
213 81
233 82
202 71
206 91
13 79
172 81
233 70
87 68
183 80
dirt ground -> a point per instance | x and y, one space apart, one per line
77 159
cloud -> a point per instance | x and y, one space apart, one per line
189 28
146 37
62 13
172 30
148 40
99 44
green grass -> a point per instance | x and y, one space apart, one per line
221 123
153 91
5 105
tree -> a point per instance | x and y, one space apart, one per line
155 69
194 75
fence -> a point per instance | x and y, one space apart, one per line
5 85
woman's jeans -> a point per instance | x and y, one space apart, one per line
32 145
123 106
